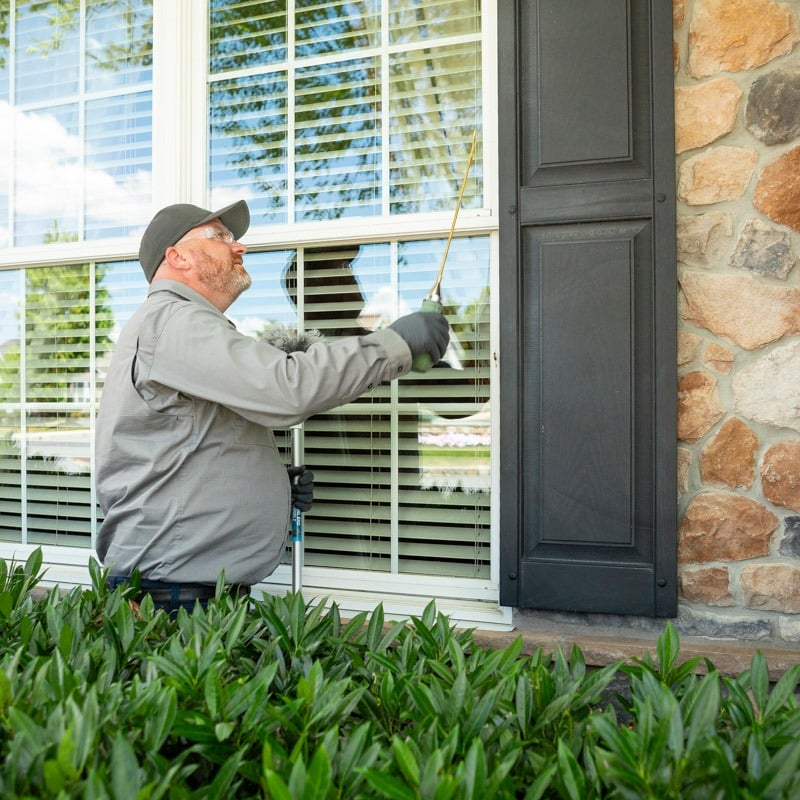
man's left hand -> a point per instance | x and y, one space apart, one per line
302 483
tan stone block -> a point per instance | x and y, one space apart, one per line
703 239
729 459
699 406
740 308
768 391
780 474
719 358
688 345
718 174
724 527
771 587
710 586
735 35
705 112
777 192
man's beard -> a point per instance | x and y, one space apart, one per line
226 280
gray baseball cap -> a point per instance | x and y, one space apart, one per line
172 222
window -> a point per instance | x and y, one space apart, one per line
346 126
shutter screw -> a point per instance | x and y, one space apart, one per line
661 197
512 576
662 583
512 209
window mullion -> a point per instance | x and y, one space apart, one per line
174 37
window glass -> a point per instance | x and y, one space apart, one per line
77 127
246 33
248 157
411 22
5 52
325 27
48 182
69 317
337 151
337 109
47 51
6 120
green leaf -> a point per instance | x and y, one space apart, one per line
701 722
212 690
351 753
667 649
405 760
33 565
157 724
278 790
64 755
542 782
6 604
389 786
224 783
570 773
318 779
475 771
783 769
6 692
783 690
54 778
523 700
125 779
223 730
759 680
757 755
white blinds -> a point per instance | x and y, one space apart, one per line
57 330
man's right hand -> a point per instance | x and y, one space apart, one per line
424 332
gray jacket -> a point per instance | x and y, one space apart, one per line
188 474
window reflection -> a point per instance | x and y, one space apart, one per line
377 130
51 377
77 157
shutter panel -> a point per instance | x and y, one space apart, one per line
588 299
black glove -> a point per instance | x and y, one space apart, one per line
302 483
424 332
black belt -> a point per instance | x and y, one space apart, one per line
164 592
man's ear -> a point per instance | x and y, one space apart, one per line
176 259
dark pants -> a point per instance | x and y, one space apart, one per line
172 596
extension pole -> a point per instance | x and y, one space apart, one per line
432 302
297 514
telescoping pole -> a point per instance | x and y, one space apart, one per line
297 514
432 301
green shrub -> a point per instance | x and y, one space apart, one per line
276 698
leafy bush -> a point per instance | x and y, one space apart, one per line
276 698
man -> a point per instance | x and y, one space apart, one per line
188 473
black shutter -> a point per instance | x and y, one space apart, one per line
588 306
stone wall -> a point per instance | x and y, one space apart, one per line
737 143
